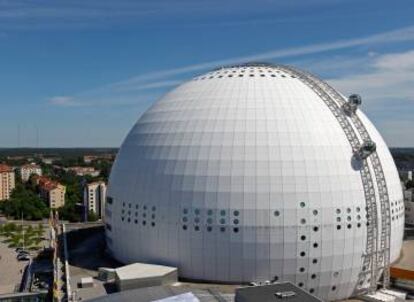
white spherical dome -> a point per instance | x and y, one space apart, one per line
245 174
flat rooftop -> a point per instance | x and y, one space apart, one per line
150 294
143 270
273 293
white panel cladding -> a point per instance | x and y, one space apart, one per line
244 174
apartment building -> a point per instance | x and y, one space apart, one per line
28 170
52 192
7 181
94 196
83 171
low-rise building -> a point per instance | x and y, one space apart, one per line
50 160
28 170
90 158
83 171
7 181
94 196
52 192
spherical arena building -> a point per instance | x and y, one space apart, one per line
258 172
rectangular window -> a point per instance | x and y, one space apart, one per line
109 200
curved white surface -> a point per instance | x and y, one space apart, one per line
244 174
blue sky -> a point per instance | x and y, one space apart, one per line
83 71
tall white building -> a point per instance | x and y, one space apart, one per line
406 175
30 169
258 172
409 206
94 196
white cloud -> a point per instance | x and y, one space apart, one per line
133 86
389 76
385 81
399 35
386 85
65 101
163 78
74 14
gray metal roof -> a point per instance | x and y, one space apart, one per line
150 294
271 293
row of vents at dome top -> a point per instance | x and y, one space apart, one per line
244 72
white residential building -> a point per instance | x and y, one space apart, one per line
409 206
406 175
30 169
94 196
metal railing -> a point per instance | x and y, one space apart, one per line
335 102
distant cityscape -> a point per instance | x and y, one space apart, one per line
71 182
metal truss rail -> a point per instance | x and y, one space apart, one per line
384 200
334 102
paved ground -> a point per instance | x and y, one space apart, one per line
10 269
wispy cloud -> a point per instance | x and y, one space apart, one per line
135 86
102 101
65 101
41 14
389 76
385 83
168 78
399 35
